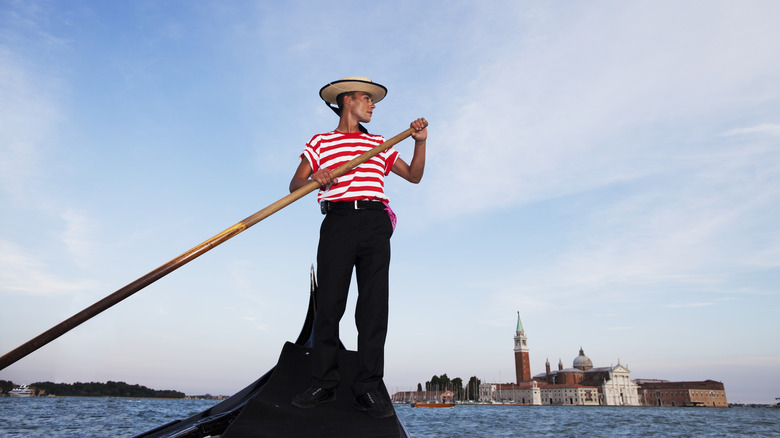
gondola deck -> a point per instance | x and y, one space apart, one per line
270 414
263 408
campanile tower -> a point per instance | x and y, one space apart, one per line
522 363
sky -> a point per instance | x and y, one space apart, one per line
608 169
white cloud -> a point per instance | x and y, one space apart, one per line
696 229
78 235
600 97
24 274
764 128
609 104
28 115
688 305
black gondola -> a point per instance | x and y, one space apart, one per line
263 408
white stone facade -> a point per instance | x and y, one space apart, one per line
570 396
505 393
620 390
617 389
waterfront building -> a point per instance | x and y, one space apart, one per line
614 384
523 393
585 385
581 385
664 393
522 365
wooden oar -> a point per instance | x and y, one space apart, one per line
75 320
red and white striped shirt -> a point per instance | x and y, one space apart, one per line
366 181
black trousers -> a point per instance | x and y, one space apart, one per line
359 238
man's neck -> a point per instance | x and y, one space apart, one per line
348 125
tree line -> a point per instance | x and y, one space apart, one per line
443 383
108 389
5 386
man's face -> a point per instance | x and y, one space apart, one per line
361 105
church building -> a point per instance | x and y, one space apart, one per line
582 384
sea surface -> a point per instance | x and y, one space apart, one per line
120 417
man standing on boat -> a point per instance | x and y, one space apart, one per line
355 233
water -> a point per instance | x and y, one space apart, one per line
588 421
90 417
112 417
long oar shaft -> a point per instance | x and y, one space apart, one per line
75 320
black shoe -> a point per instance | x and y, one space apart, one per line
374 404
314 396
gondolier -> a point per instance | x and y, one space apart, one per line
355 233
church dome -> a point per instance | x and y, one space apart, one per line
582 362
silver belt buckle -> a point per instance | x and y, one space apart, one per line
356 205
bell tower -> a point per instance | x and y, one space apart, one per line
522 363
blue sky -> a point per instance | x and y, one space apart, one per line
610 170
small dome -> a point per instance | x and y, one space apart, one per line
582 362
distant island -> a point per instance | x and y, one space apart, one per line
94 389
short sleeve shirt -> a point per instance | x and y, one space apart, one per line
366 181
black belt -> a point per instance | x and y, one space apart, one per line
326 206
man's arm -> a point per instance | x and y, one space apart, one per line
413 172
303 172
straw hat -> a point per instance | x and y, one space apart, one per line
329 92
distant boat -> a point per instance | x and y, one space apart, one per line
21 391
424 404
446 401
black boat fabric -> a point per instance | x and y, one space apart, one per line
270 414
264 407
